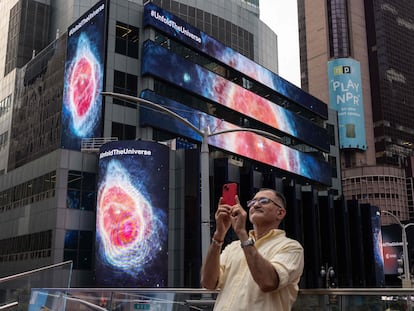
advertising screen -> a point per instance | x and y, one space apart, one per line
245 144
377 244
186 33
345 96
83 78
132 214
392 248
170 67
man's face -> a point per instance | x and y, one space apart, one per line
266 207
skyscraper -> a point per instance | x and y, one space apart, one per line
373 35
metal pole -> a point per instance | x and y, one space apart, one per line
22 274
406 282
205 194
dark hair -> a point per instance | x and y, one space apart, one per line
277 194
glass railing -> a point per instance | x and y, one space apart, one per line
16 290
122 299
48 288
356 299
173 299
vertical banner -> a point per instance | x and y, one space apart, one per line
377 246
345 96
83 79
132 214
392 248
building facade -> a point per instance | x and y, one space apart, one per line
370 33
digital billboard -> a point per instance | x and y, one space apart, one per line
132 214
243 143
180 30
392 248
345 96
159 62
377 243
83 78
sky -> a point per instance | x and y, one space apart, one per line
281 17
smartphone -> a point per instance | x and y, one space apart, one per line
229 193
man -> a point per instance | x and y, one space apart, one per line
263 269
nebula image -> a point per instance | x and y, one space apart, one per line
83 87
244 143
83 78
125 222
131 227
226 55
199 80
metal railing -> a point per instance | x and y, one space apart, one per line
106 299
16 289
93 145
30 290
178 299
391 299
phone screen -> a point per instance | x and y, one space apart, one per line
229 193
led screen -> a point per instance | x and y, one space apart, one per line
83 78
180 30
377 244
345 96
246 144
159 62
392 248
132 209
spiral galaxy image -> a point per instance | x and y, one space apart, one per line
131 224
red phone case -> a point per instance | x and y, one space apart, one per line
229 192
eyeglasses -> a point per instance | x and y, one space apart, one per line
261 201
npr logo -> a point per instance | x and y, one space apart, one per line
341 70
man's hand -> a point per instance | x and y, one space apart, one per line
238 220
223 220
210 270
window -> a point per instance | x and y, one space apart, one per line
125 83
34 190
127 40
78 248
81 192
25 247
331 133
123 131
5 105
339 42
332 162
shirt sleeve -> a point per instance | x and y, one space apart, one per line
225 262
288 263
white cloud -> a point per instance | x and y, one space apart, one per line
281 17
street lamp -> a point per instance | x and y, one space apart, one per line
327 273
406 281
204 159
